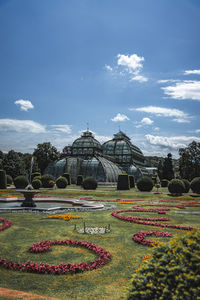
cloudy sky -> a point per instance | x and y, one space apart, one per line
132 64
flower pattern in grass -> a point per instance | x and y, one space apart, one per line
139 237
6 224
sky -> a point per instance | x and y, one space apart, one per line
106 65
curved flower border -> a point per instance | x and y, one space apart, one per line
139 237
6 224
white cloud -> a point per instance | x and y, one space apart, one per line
109 68
139 78
175 142
24 104
168 81
181 120
192 72
132 62
120 118
156 129
197 130
21 126
147 121
162 111
62 128
186 89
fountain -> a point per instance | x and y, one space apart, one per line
29 194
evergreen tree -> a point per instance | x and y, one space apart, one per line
168 172
189 162
160 170
13 164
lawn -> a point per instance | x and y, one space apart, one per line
106 282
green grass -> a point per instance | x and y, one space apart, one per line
104 283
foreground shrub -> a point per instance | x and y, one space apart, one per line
35 174
3 181
68 177
47 181
187 185
61 182
90 184
36 184
172 272
9 180
176 187
164 183
21 182
145 184
123 182
132 181
79 180
195 185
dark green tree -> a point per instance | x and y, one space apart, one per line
13 164
160 170
45 154
27 161
167 171
189 162
1 159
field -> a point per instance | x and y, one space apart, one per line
106 282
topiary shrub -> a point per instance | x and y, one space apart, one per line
47 181
132 181
89 184
68 177
164 183
61 182
187 185
176 187
123 182
37 177
36 184
9 180
79 180
35 174
145 184
21 182
171 272
3 181
195 185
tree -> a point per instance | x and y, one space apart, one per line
168 172
45 154
189 162
160 170
13 164
1 159
27 161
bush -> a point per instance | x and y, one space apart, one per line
145 184
132 181
37 177
79 180
164 183
35 174
68 177
123 182
37 184
187 185
61 182
172 272
90 184
3 181
195 185
176 187
21 182
9 180
47 181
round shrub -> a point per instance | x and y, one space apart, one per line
68 177
176 187
37 177
164 183
9 180
90 184
47 181
3 183
79 180
35 174
21 182
145 184
132 181
195 185
187 185
37 184
61 182
172 271
123 182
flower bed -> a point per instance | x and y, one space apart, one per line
65 217
139 237
6 224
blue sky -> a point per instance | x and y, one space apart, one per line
132 64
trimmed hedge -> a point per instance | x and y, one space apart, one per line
61 182
132 181
172 271
89 184
21 182
68 177
35 174
164 183
176 187
187 185
79 180
195 185
36 184
47 181
9 179
3 180
123 182
145 184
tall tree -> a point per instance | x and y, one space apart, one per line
160 169
168 172
27 161
45 154
189 162
13 164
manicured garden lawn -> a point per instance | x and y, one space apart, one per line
106 282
